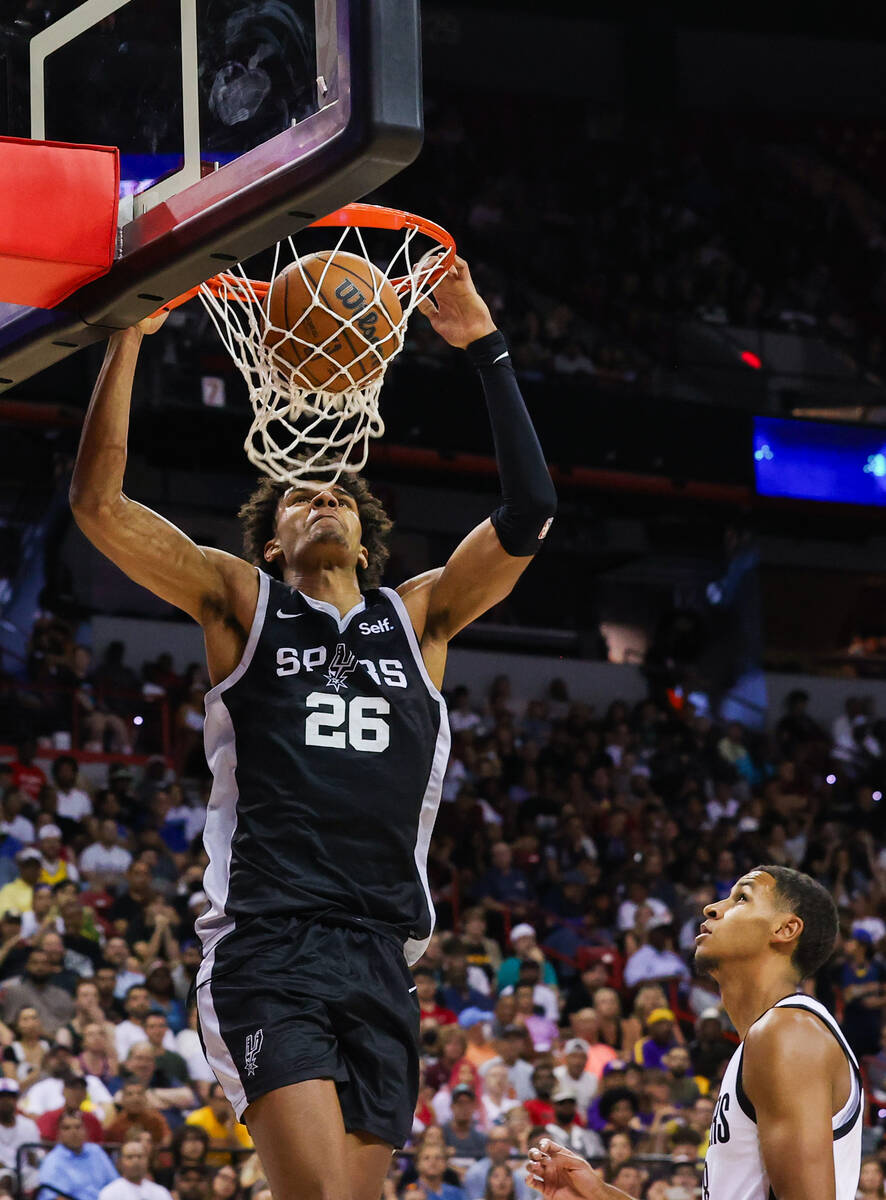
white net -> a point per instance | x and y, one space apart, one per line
315 387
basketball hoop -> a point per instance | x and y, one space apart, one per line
296 423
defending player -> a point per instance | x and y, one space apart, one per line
788 1118
327 738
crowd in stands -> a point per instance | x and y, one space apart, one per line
573 855
717 220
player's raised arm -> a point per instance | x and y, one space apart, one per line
485 566
791 1067
148 548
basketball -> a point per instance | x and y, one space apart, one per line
343 318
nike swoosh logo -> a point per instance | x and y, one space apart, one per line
287 616
411 990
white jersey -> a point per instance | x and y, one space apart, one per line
734 1168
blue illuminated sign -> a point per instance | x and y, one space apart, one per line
814 460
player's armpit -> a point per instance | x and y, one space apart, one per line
788 1071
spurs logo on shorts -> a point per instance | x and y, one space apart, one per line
253 1046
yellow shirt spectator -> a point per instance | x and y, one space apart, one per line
225 1133
18 895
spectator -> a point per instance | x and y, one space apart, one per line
225 1132
498 1151
50 942
498 1095
87 1011
864 993
501 1184
15 1130
565 1128
545 999
710 1049
34 988
619 1149
27 777
161 989
655 961
129 911
54 865
134 1114
432 1136
97 1055
871 1180
23 1057
18 896
619 1108
573 1074
43 913
72 802
539 1107
133 1183
105 862
168 1063
453 1045
585 1024
482 951
430 1165
683 1088
614 1030
461 1132
510 1053
120 957
628 1178
225 1184
542 1030
189 1147
74 1166
48 1093
456 991
192 1183
426 991
163 1093
504 886
138 1004
74 1091
650 1051
524 947
474 1022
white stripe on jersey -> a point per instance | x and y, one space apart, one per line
221 813
734 1168
414 947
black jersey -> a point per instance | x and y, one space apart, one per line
327 745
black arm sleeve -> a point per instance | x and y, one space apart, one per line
529 501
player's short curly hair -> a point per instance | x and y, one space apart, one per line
815 906
258 520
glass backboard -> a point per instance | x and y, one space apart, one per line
238 122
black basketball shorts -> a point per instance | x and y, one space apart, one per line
282 1000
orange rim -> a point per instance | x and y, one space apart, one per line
366 216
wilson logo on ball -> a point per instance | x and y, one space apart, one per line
333 321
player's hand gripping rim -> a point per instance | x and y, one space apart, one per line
457 311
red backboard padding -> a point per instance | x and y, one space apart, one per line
58 218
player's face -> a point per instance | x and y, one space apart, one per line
317 525
742 925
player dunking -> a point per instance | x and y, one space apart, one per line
788 1118
327 738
